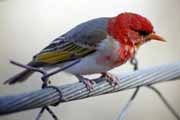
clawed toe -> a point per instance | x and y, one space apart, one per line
88 83
111 79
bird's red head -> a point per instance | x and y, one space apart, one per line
131 28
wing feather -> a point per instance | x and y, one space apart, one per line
72 52
70 47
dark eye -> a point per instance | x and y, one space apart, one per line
144 33
89 37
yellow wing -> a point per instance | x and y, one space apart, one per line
67 53
62 50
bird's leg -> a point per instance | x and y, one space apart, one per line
87 82
111 79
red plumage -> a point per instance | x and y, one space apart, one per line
124 26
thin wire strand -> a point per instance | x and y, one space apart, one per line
134 62
44 79
45 85
124 111
52 113
166 103
40 114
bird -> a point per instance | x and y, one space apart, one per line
99 44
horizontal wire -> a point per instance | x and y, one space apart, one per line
76 91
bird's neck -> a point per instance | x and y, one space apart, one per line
122 35
126 52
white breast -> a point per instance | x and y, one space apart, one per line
97 62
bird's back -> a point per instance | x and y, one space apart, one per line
86 27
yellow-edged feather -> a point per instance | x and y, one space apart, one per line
63 54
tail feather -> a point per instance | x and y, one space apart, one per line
24 75
19 77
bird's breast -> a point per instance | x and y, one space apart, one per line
113 54
104 59
109 53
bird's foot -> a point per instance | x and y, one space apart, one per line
110 78
87 82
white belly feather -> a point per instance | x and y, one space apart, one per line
90 64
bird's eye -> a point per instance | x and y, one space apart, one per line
89 37
144 33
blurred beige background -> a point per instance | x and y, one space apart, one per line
26 26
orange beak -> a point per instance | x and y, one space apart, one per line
154 36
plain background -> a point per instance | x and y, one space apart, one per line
26 26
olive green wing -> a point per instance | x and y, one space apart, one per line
63 49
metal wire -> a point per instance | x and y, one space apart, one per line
166 103
124 111
76 91
44 79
